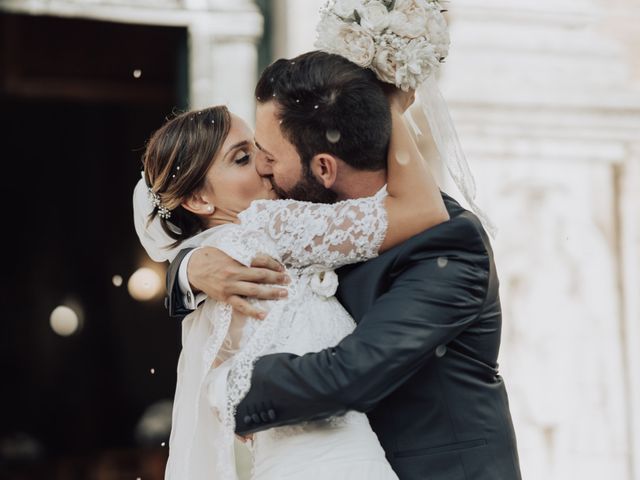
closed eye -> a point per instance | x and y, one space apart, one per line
243 160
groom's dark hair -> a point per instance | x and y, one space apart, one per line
328 104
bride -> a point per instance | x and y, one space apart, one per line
200 187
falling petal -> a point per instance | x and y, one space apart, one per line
333 136
403 158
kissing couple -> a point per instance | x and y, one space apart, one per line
341 313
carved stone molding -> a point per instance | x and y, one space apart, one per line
222 39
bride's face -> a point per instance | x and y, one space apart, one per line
232 181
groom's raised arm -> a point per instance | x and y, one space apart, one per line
425 307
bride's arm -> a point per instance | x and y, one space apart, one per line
414 202
358 229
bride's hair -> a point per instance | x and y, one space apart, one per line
176 160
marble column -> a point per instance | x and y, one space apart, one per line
629 179
222 70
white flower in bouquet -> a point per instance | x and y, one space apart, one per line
347 39
402 41
385 64
345 8
374 17
417 61
408 18
438 31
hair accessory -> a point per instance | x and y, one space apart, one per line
163 212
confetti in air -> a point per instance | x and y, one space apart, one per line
333 136
402 158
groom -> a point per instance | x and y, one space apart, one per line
422 360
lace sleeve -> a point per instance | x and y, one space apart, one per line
239 242
330 235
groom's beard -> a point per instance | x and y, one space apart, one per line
308 189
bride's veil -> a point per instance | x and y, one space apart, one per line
448 145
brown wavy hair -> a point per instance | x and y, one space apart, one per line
176 160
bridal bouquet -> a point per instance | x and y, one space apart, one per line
402 41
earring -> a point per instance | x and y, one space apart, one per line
210 208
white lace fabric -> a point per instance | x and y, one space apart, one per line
220 347
328 235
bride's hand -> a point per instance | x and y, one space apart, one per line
399 99
245 439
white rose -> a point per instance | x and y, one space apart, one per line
408 19
375 17
324 284
417 62
359 46
384 64
347 39
328 30
345 8
438 31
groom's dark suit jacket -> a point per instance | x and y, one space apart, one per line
421 362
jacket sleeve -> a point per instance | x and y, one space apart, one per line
427 305
174 301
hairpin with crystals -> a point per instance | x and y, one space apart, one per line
163 212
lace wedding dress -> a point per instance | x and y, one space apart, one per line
220 346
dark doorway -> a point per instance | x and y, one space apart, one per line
78 99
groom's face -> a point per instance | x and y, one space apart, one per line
280 162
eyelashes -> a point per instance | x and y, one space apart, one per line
243 160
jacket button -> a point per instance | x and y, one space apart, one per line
256 418
264 416
440 351
247 420
272 414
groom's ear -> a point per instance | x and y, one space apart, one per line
325 168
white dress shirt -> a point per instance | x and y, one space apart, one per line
189 299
